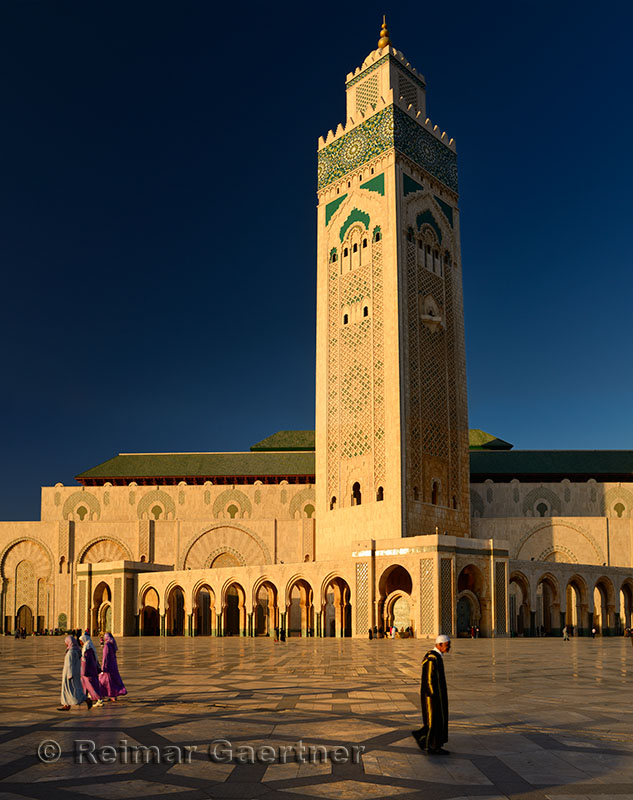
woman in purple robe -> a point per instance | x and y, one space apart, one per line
90 671
111 683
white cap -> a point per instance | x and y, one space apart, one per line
442 639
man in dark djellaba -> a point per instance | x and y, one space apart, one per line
434 699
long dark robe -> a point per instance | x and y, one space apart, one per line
434 700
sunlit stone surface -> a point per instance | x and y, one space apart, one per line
530 718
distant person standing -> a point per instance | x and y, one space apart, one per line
434 700
565 634
593 633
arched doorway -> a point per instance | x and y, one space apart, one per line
471 580
234 611
626 604
265 609
548 605
468 613
105 617
150 621
337 609
175 612
101 602
394 601
299 608
204 611
604 607
576 606
520 609
24 619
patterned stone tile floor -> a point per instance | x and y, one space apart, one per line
530 718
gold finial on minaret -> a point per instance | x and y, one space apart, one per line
384 40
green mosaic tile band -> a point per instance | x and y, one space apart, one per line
362 75
390 127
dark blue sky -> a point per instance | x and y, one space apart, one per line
158 227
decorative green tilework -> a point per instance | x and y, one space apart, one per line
390 127
448 210
361 144
422 147
409 185
376 231
376 184
427 218
355 216
332 207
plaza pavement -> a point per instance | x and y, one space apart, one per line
530 718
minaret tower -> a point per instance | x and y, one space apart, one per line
391 409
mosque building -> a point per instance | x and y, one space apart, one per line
391 512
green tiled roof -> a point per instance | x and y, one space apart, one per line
552 464
157 465
286 440
480 440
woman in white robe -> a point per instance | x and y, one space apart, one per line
72 692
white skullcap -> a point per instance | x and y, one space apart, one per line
442 639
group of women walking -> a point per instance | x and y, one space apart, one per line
83 679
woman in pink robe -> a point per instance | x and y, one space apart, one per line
90 671
110 680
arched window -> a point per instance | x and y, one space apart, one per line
332 503
365 311
309 511
355 248
435 491
380 494
356 496
232 511
81 512
409 235
455 501
416 493
542 509
61 564
364 242
156 512
378 236
345 251
619 509
345 319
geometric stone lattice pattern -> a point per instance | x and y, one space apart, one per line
446 594
367 94
500 597
355 369
118 605
427 622
362 597
25 585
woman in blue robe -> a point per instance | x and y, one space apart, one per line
72 692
